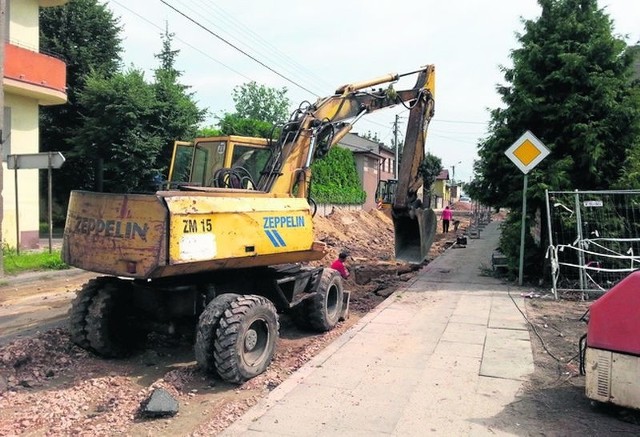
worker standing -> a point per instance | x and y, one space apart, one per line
338 265
447 215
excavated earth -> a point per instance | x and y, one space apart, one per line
50 387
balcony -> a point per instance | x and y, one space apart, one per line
47 3
35 75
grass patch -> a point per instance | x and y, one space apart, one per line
32 261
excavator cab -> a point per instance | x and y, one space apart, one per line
222 162
386 193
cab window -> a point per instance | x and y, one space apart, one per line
250 158
208 158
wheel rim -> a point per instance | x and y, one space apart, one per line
332 301
255 342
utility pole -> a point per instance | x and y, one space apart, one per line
3 36
396 125
395 143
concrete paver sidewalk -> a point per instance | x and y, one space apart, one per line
442 355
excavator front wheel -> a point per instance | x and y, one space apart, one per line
322 310
246 338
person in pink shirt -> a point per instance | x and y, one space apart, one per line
447 215
338 265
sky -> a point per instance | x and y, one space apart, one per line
313 48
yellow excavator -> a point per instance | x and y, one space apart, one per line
222 245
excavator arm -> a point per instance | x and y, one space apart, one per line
314 128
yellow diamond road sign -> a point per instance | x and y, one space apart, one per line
527 152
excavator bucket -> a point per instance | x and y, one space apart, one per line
414 235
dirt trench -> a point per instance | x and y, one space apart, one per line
48 386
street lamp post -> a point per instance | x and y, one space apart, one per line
453 180
453 172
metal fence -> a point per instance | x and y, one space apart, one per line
480 217
594 238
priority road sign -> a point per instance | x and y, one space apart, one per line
527 152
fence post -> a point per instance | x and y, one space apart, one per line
554 267
580 243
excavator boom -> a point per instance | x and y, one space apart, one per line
313 130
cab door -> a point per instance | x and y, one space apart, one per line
180 168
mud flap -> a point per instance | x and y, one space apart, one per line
344 314
414 235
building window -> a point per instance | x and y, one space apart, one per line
6 134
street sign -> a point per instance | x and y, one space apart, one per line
46 160
35 160
527 152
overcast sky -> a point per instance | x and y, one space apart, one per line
316 47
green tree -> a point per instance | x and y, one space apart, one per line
176 114
258 109
630 178
570 85
233 124
259 102
115 136
209 131
372 136
87 37
430 168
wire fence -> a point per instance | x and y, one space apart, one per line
594 239
480 217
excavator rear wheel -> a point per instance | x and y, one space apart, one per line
109 326
79 310
206 331
325 308
246 338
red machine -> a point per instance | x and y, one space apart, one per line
612 358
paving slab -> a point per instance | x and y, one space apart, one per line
441 356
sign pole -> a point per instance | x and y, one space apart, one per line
524 219
49 202
15 172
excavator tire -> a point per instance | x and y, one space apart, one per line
79 310
206 331
245 339
110 329
324 309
